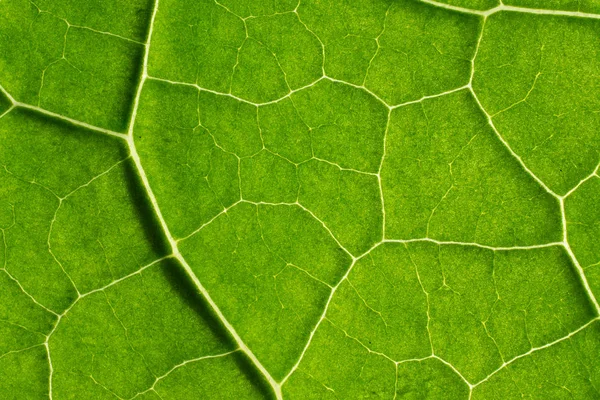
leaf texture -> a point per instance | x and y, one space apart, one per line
305 199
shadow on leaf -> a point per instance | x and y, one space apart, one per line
182 283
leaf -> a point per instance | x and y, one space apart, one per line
323 199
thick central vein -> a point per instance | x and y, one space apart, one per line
173 243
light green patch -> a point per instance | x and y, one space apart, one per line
577 376
67 66
124 18
25 254
347 34
31 41
357 373
258 55
284 132
232 124
487 307
297 51
383 306
23 374
447 176
421 51
539 88
105 77
258 75
347 202
269 178
346 124
189 47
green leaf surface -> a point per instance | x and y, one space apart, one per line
314 199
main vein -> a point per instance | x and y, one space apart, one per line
173 243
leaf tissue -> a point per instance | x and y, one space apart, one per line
299 199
